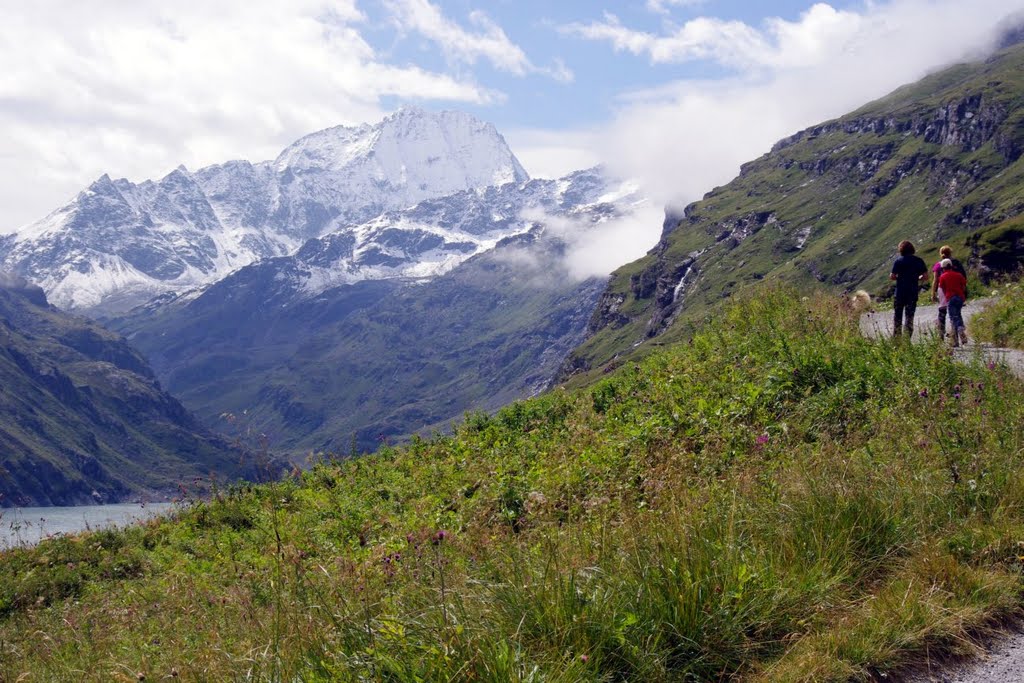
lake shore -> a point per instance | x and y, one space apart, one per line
29 525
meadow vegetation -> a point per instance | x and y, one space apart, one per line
1002 322
777 499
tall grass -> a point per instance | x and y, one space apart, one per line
778 499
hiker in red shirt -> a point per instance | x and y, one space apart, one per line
954 287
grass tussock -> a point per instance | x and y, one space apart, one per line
1002 323
778 499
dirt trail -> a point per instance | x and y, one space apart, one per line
880 325
1004 660
1002 663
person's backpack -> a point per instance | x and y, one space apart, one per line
959 267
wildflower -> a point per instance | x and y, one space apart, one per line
972 484
390 561
991 365
439 537
957 395
923 393
584 658
762 439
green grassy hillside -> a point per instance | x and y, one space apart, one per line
778 499
936 162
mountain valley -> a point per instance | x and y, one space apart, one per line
317 368
84 420
348 312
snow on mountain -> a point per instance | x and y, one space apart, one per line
118 243
433 237
343 176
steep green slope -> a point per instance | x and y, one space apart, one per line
83 419
938 161
779 499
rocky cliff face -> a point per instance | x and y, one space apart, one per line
83 418
937 161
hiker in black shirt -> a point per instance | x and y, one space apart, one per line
908 271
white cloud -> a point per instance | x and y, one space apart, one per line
732 43
664 6
488 42
595 250
137 88
554 154
686 137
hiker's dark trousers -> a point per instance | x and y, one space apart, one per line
956 316
903 315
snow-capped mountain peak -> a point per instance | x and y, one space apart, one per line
416 153
118 243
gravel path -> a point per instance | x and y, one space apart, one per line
880 325
1003 661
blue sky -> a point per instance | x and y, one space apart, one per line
599 74
674 93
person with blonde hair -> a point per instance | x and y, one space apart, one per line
908 271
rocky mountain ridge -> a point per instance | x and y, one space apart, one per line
118 243
316 356
938 161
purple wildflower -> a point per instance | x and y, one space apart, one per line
762 439
439 537
923 393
